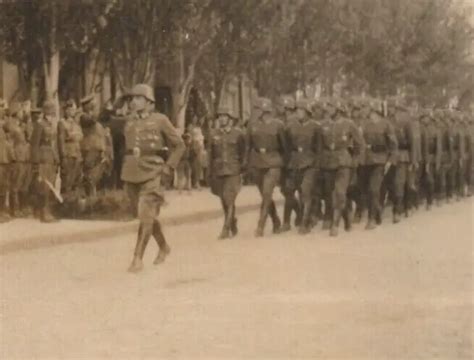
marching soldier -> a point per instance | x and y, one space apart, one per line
407 162
5 158
227 156
288 115
340 139
146 135
267 150
45 159
20 166
431 143
380 154
304 142
93 146
69 146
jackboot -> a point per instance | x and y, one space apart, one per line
370 224
163 248
261 221
347 218
287 209
396 217
275 219
46 216
25 206
335 223
234 229
14 205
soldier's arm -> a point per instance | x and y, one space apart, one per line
174 140
439 148
35 142
392 143
61 140
243 151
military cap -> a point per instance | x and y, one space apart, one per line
70 104
304 104
288 102
49 106
87 99
263 104
143 90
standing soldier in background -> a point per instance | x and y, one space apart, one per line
45 159
432 151
304 142
340 138
469 136
447 140
380 154
5 154
146 135
267 151
288 116
407 163
456 181
227 155
415 169
69 147
20 166
93 146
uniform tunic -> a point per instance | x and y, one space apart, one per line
69 147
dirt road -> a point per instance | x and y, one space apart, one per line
399 292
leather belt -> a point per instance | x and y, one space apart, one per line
162 153
377 148
263 150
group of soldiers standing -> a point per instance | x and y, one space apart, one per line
37 149
341 159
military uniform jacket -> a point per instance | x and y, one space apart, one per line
447 143
44 142
267 144
19 140
69 139
94 135
304 144
146 135
459 145
359 159
380 141
406 138
431 144
340 141
227 151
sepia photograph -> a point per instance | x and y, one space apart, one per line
237 179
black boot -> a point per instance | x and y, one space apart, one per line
347 218
275 219
14 205
164 248
46 215
335 223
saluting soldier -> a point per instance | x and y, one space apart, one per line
93 146
20 166
267 150
227 156
147 134
407 162
5 158
380 154
287 109
431 144
340 139
69 146
45 159
304 142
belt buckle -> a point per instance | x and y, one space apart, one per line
262 150
300 149
332 147
369 146
136 152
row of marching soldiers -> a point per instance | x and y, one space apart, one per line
44 159
338 159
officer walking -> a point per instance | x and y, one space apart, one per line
340 139
227 156
380 154
146 134
69 146
267 150
304 142
45 159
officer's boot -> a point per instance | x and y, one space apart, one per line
164 248
327 219
274 216
225 233
25 205
287 215
232 221
397 207
144 233
304 227
357 215
370 220
262 220
335 223
347 217
299 213
4 216
14 204
46 215
234 228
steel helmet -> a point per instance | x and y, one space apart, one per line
143 90
263 104
288 102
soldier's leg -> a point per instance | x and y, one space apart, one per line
271 181
341 183
317 211
4 216
306 188
288 189
328 187
258 176
47 172
15 179
362 187
231 189
352 195
375 182
399 184
429 183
